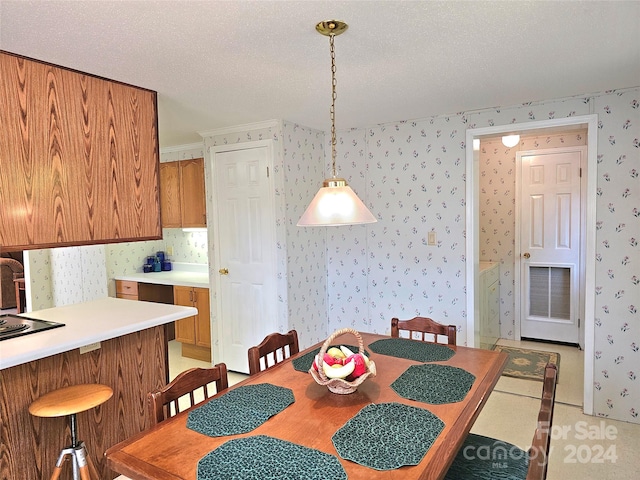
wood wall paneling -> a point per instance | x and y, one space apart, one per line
131 365
79 158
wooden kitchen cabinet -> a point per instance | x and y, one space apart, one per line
127 289
194 332
182 194
170 207
79 158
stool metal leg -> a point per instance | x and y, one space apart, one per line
83 468
58 468
64 453
81 459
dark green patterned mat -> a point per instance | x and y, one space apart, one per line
387 436
435 384
241 410
412 349
267 458
303 363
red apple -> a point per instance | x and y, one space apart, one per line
361 366
331 360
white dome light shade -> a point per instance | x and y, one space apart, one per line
510 140
333 206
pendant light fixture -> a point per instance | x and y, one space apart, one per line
335 203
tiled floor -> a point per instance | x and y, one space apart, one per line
582 447
178 363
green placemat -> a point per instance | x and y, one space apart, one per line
241 410
435 384
267 458
303 363
489 459
412 349
387 436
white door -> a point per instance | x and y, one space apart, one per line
550 243
245 249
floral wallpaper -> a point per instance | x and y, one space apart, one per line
66 275
39 293
617 348
411 174
306 256
497 173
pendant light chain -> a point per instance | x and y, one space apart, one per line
333 103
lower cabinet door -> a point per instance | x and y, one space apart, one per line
203 322
186 327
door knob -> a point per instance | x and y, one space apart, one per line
223 271
526 255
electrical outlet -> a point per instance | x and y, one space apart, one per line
431 238
89 348
170 250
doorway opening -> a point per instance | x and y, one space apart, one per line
474 137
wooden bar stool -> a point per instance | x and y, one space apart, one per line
69 401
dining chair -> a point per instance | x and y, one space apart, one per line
272 350
165 402
485 458
424 326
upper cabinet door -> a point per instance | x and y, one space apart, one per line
79 158
193 197
170 195
182 194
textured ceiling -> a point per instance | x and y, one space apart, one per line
216 64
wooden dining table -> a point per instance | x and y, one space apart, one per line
170 450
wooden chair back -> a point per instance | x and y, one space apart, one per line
424 326
164 403
272 350
539 451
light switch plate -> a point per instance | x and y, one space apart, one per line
431 238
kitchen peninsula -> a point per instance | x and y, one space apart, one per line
131 358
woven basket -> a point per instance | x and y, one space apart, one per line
339 385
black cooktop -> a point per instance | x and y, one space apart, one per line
12 326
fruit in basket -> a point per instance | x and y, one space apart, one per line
328 359
338 371
347 351
336 353
360 366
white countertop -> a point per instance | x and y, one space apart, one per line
87 323
187 275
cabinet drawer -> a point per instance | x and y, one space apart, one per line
126 296
127 287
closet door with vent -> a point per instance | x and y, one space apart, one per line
550 244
